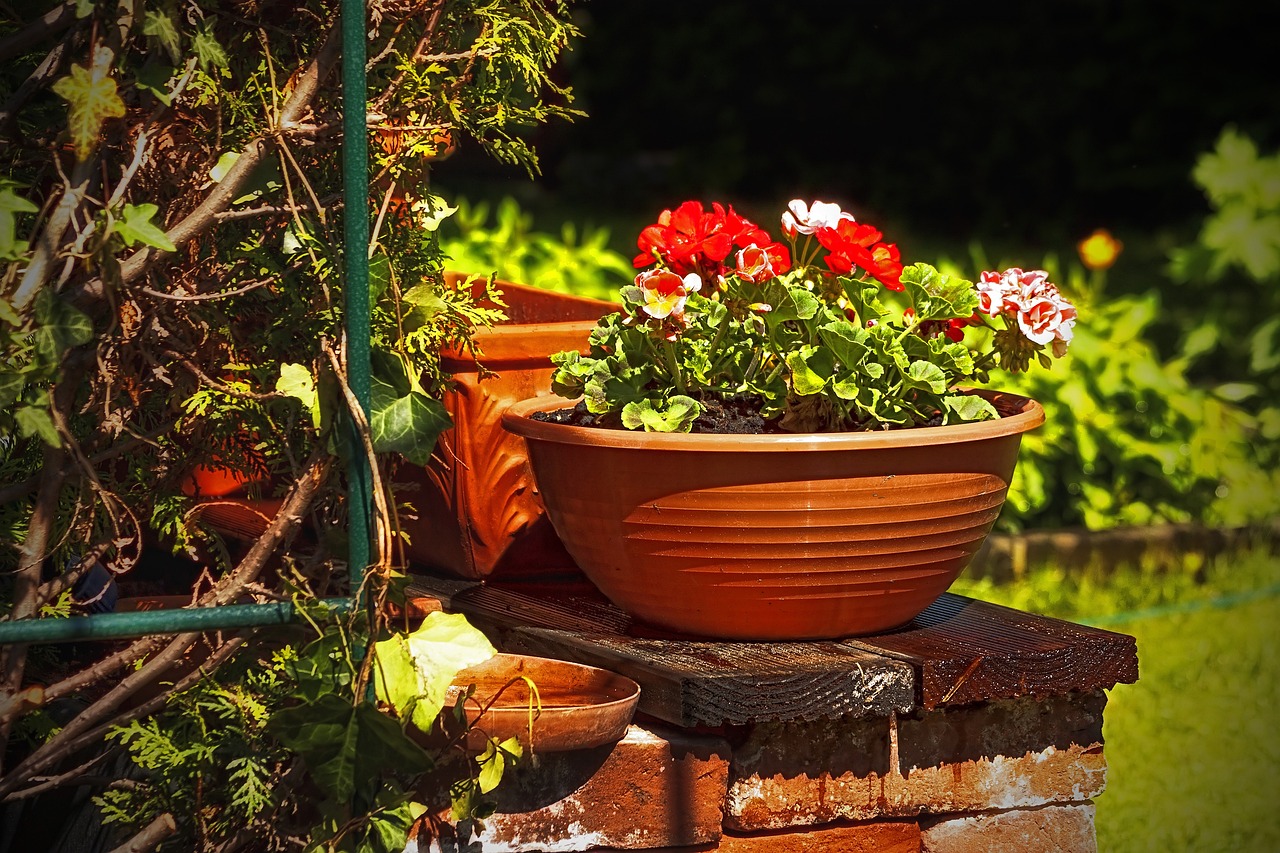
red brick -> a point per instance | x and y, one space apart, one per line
1022 753
1053 829
657 787
896 836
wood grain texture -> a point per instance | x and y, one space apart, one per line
966 650
957 652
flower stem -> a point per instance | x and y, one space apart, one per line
673 364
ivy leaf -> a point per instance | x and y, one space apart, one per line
224 164
346 747
154 78
414 671
60 327
408 425
92 97
494 760
135 226
426 302
161 27
207 50
297 382
11 385
12 204
35 420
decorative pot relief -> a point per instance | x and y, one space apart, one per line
477 510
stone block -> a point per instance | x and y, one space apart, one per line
1052 829
656 787
1019 753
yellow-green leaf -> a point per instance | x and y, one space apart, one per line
296 381
92 98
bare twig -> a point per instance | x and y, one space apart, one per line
150 837
199 297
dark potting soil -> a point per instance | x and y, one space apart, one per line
734 416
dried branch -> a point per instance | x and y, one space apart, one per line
150 837
53 22
228 189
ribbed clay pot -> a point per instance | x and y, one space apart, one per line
774 537
477 511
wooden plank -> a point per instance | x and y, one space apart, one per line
682 681
966 650
691 683
957 652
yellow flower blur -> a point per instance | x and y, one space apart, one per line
1099 250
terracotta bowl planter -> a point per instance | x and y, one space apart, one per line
478 512
581 706
772 537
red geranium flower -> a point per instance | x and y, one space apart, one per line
855 244
691 239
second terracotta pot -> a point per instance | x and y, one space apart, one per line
774 537
478 514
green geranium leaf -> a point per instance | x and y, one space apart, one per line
135 226
936 295
408 425
804 379
677 414
847 386
970 407
414 671
848 342
926 375
92 98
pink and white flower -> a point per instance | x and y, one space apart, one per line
665 292
1043 315
801 218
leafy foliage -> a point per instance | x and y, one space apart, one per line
172 302
568 262
288 745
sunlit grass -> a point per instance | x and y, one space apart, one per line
1192 747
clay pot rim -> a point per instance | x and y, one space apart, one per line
517 419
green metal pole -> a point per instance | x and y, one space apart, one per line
355 184
113 626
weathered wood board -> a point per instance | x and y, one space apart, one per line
957 652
